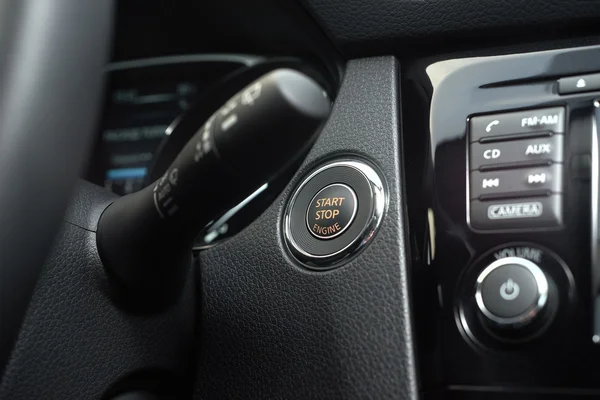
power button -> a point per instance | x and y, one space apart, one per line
334 213
511 291
331 211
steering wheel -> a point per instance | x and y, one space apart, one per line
51 75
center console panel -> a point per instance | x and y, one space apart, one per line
503 224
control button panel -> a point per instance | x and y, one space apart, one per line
516 151
511 290
541 180
517 124
331 211
526 213
516 170
579 84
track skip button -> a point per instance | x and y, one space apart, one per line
514 181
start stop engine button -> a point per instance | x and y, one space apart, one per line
334 213
331 211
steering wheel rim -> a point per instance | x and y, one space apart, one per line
51 73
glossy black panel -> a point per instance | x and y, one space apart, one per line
560 355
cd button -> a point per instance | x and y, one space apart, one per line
517 151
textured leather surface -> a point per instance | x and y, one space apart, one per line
272 330
87 205
75 343
364 26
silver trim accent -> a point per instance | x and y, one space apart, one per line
529 314
351 218
246 60
380 202
595 224
213 228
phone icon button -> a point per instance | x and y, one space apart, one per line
488 128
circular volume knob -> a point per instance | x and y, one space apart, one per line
512 292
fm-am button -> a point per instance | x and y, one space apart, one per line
531 213
495 126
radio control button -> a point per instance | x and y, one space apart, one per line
517 151
515 181
496 126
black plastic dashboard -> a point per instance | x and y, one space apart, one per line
366 27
